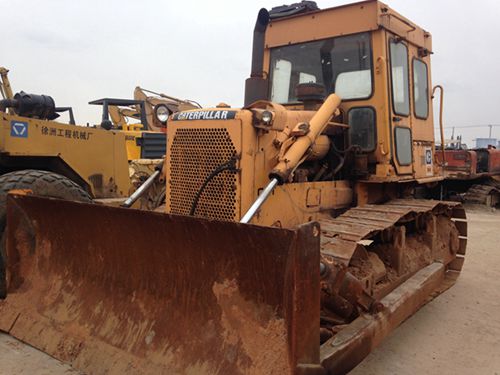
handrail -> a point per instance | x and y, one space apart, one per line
441 127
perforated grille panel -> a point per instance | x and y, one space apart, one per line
195 153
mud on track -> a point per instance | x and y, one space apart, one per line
458 332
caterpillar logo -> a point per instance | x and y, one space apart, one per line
204 115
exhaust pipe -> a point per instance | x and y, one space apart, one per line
7 103
259 33
257 85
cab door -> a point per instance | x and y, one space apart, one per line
422 120
401 108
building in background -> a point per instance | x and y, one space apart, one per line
485 142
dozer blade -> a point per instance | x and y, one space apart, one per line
112 290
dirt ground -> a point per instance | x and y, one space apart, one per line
19 359
457 333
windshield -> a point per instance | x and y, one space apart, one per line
342 64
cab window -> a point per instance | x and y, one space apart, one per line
399 78
342 64
362 128
420 89
403 145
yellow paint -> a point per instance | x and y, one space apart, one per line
87 151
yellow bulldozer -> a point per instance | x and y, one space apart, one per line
299 231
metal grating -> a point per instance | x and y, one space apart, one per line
153 145
194 154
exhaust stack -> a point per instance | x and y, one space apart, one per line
257 85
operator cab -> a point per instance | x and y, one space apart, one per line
376 60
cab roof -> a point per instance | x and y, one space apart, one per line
346 19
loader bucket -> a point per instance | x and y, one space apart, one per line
118 291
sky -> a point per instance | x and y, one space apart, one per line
77 51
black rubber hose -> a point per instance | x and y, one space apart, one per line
228 166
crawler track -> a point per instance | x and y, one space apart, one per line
488 193
403 253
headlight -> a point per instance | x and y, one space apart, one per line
162 112
267 117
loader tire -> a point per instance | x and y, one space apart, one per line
42 183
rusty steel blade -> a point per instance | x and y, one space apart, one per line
112 290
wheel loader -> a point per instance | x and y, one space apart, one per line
107 162
299 230
103 160
103 163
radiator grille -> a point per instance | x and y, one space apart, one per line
194 154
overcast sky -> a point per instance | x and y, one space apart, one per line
77 51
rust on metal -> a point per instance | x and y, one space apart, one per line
111 291
371 220
488 194
380 264
124 291
348 347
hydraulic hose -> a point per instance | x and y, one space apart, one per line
228 166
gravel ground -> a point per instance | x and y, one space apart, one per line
457 333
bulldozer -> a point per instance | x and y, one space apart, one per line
300 230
